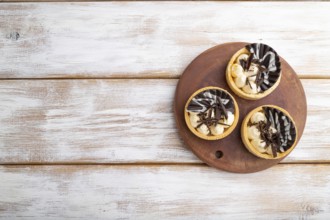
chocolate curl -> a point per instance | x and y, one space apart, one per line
217 101
285 130
268 63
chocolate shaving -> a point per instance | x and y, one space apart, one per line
223 110
259 79
285 127
212 107
285 134
246 64
207 119
243 64
217 113
249 61
248 82
268 63
270 138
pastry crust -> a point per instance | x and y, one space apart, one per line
247 142
240 92
211 137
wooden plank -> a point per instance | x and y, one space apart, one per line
119 121
163 192
153 39
63 120
136 0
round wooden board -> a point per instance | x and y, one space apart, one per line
208 69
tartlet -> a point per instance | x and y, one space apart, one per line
254 71
269 132
211 113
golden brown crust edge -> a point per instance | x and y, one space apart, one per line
238 91
247 142
206 137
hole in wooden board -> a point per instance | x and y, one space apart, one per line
218 154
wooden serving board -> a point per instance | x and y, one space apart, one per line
229 154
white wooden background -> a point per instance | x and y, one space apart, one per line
86 121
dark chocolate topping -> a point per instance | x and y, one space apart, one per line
211 101
271 138
268 63
286 131
211 97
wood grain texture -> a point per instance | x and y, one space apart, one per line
119 121
289 95
153 39
138 0
163 192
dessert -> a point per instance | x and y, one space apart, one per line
254 71
269 132
211 113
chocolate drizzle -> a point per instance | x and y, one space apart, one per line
212 106
268 63
284 136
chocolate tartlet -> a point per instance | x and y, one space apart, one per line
269 132
254 71
211 113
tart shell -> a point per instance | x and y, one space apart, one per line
240 92
251 148
211 137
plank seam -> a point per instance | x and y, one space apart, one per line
147 164
77 1
124 78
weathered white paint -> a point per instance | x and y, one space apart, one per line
163 192
64 120
114 121
131 121
153 39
